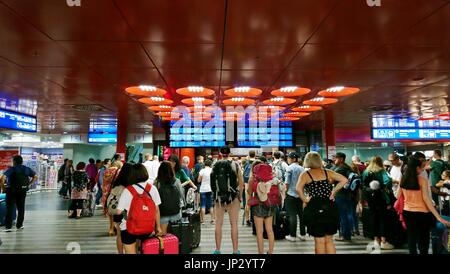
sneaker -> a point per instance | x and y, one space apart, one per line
7 230
376 244
290 238
216 252
387 246
20 228
302 238
237 253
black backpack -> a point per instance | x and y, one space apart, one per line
224 182
170 199
19 181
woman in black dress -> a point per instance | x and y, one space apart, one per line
321 214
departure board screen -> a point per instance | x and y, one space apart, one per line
191 133
265 134
16 121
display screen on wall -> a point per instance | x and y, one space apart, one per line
16 121
102 138
190 133
102 132
395 128
265 134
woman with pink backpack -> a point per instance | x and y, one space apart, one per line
264 197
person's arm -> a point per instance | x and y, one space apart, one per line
301 188
200 177
250 186
429 165
440 184
2 182
399 193
336 177
426 198
240 179
288 178
158 222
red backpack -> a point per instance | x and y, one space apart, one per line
142 214
263 173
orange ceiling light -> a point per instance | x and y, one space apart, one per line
290 91
155 101
202 118
289 119
168 114
243 92
239 101
444 115
195 91
307 108
338 91
279 101
144 90
198 101
161 108
170 118
427 118
201 114
320 101
297 114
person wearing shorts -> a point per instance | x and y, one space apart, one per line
204 178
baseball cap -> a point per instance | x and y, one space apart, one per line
293 155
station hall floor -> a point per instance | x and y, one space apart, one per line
48 230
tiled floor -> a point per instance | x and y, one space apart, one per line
48 230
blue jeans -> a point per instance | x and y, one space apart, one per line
354 215
99 194
206 200
345 205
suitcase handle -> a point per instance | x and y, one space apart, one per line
161 244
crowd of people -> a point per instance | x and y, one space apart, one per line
402 197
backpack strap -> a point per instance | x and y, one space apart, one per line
147 189
132 191
326 174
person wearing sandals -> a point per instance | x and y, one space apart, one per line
321 214
204 178
79 191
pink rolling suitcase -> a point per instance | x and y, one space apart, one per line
167 244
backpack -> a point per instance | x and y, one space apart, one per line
278 170
247 170
19 181
170 199
141 217
263 175
197 168
224 182
354 182
113 199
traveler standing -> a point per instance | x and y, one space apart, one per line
198 166
356 198
375 186
79 191
91 171
98 164
171 195
122 181
419 213
152 166
109 176
293 204
17 183
320 213
185 166
279 166
101 171
357 161
262 209
396 170
344 199
206 199
436 168
227 185
247 170
61 170
68 173
180 174
138 224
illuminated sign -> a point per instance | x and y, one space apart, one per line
410 134
16 121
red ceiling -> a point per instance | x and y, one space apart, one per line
61 56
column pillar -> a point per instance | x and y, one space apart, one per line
329 134
122 125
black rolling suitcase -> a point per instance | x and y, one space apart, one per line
193 216
183 230
280 225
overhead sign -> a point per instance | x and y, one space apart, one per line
410 134
99 138
17 121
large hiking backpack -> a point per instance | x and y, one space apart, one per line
142 214
354 182
170 199
113 199
224 182
19 181
278 170
247 170
263 175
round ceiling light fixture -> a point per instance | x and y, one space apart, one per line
195 91
290 91
289 119
161 108
279 101
155 101
307 108
145 90
338 91
320 101
239 101
197 101
296 114
243 92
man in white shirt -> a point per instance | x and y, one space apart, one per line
152 167
396 171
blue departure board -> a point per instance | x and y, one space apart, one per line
17 121
190 133
102 138
265 134
101 132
